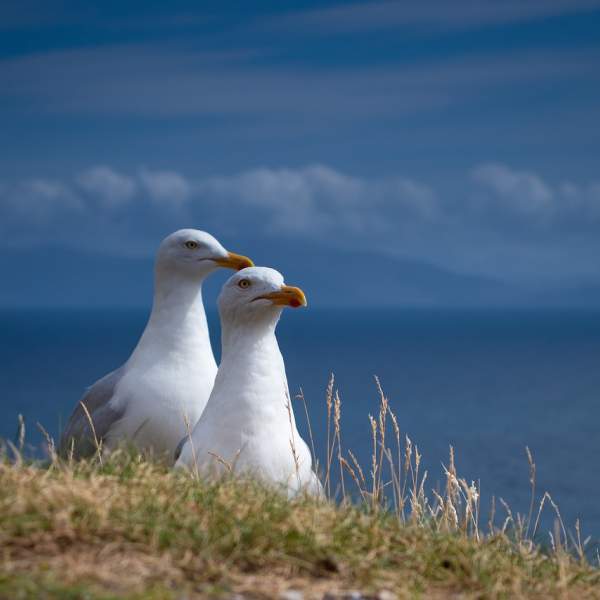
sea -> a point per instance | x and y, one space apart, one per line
489 383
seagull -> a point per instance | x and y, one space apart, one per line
159 393
248 424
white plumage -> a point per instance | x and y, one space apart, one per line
248 421
169 376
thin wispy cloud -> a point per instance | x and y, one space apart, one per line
174 80
428 14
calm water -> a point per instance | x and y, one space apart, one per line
489 383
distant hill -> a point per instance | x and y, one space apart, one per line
60 277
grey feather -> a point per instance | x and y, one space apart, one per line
78 433
180 447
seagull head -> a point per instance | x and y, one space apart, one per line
257 292
197 254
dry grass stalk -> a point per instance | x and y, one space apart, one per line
375 489
532 484
228 465
509 515
315 460
188 430
358 468
50 446
383 411
539 514
97 442
329 457
559 521
398 478
492 515
21 433
337 422
407 463
288 406
346 465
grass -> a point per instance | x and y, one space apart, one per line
123 527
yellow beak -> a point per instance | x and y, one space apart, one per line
288 295
234 261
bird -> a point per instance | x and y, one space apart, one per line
160 391
248 425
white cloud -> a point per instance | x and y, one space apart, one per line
582 200
109 186
37 201
165 186
524 194
316 200
521 191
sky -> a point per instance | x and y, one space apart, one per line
380 153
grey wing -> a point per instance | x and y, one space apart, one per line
78 434
179 447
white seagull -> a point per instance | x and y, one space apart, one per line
248 424
170 374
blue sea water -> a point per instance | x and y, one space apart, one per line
487 382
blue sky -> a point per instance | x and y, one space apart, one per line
452 146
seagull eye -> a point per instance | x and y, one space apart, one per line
191 245
244 283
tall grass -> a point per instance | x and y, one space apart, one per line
396 483
122 525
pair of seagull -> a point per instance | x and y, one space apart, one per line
170 399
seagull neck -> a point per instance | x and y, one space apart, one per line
246 341
178 320
251 380
173 290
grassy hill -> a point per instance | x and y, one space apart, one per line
126 528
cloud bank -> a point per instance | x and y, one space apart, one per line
500 222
